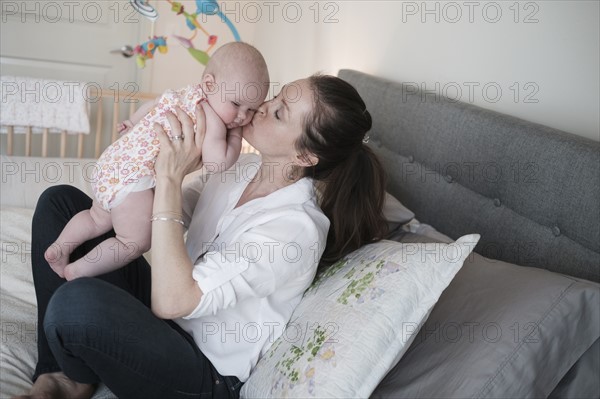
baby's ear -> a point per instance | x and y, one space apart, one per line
208 83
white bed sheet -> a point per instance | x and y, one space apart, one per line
18 304
23 180
18 314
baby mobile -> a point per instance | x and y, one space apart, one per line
146 50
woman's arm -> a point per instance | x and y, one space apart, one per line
174 292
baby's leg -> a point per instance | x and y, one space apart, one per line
83 226
131 221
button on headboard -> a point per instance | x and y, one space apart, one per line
531 191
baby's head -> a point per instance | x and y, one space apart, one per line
236 82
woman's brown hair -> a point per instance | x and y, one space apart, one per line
349 175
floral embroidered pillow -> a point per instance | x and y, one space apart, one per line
357 320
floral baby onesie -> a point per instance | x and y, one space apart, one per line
127 165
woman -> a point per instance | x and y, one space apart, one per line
196 322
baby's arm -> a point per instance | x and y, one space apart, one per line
234 146
220 148
125 126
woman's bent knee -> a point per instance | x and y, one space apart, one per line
76 300
67 308
52 193
60 199
87 311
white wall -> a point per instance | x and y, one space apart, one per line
542 55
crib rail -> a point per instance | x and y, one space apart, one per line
107 109
108 105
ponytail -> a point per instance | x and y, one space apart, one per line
352 199
349 175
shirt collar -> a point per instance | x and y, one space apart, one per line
297 193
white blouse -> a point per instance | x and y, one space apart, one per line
252 263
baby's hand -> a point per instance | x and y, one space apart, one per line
124 127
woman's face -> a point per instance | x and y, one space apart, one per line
278 123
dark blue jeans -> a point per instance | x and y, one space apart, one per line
102 329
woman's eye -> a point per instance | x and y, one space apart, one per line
235 103
277 114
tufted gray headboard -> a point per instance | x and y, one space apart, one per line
531 191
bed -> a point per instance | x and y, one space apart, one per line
519 316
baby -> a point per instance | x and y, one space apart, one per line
235 83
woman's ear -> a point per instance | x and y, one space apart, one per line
208 83
307 160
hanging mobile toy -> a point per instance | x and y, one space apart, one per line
191 21
200 56
146 50
145 9
210 7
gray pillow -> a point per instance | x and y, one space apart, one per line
395 213
582 380
498 330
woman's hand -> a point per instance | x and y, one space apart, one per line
181 153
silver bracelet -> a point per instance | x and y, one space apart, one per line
162 219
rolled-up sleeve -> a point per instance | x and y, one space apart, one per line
257 262
219 285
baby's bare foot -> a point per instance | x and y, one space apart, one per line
57 259
71 272
59 386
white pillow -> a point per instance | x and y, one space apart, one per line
357 319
